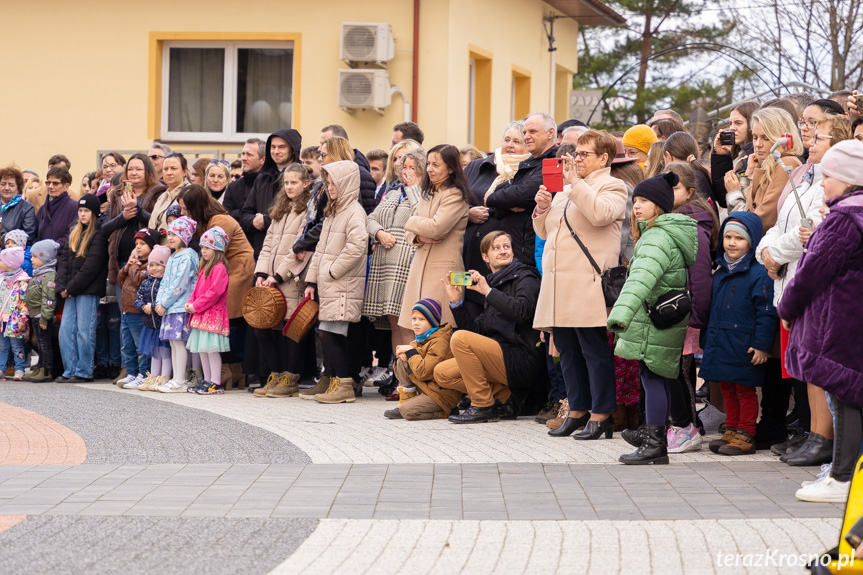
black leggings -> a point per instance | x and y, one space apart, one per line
281 353
681 393
848 431
43 340
335 348
801 403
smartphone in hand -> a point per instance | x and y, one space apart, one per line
552 174
460 279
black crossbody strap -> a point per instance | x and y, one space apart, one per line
578 240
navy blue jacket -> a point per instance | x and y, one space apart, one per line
742 315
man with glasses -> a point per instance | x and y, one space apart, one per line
251 161
60 211
513 201
158 152
236 170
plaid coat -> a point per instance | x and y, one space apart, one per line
388 268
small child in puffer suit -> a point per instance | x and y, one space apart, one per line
419 396
13 308
41 303
150 344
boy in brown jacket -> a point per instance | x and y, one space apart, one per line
415 363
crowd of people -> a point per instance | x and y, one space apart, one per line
467 286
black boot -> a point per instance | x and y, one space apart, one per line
634 437
475 414
816 451
569 425
506 410
790 446
594 429
653 450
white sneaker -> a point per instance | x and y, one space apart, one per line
826 490
19 374
825 471
134 383
125 380
685 439
711 418
374 375
173 386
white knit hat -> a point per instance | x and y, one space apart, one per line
844 161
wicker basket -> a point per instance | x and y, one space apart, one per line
302 320
264 307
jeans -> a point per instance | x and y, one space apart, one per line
78 335
588 368
17 345
130 327
108 335
555 378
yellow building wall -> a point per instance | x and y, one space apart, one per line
83 81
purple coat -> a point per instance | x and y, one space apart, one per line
823 301
55 218
701 272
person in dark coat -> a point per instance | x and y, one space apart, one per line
15 212
283 148
82 272
513 201
337 149
501 338
252 158
60 211
740 332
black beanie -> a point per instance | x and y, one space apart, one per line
150 236
91 202
659 190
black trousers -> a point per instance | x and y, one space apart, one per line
848 434
281 353
43 340
682 393
775 394
335 348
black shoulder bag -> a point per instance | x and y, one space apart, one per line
612 278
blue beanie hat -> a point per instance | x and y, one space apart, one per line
431 309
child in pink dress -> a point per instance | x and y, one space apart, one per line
209 311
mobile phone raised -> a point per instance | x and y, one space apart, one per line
460 279
552 174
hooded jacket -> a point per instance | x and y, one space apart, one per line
267 184
236 194
508 319
659 262
701 272
742 315
55 218
823 302
338 267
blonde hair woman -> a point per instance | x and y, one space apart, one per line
396 152
217 176
768 179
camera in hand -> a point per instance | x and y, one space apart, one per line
460 279
726 138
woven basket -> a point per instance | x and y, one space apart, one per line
302 320
264 307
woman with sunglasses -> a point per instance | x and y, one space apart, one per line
217 176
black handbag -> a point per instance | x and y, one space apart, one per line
612 278
669 309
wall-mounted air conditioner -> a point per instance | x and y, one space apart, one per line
367 42
364 89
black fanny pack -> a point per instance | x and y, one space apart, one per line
669 309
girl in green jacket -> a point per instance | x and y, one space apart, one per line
666 245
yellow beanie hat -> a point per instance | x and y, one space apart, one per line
640 137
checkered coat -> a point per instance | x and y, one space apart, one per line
388 268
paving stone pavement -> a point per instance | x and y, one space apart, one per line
233 483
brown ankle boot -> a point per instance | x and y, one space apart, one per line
227 380
288 386
322 386
238 376
342 393
272 381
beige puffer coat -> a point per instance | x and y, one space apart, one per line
276 254
338 267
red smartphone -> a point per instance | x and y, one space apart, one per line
552 174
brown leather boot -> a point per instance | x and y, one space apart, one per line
322 386
238 376
227 379
288 386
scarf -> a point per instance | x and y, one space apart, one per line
733 263
50 266
424 336
507 166
11 204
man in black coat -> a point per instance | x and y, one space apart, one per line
283 148
513 201
495 356
252 157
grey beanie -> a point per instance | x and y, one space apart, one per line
45 250
20 237
844 161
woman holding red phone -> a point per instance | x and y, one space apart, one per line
591 206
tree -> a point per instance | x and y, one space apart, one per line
653 43
817 42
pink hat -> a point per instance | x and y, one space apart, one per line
844 161
13 257
184 228
160 254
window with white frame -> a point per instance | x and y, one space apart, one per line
226 91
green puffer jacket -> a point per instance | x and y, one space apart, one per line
658 265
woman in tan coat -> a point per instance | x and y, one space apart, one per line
337 274
198 204
277 267
571 304
437 229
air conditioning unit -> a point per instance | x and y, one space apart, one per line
367 42
364 89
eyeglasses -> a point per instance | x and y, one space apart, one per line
803 124
52 183
155 157
816 137
111 166
235 177
584 155
223 162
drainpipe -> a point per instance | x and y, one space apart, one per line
549 33
416 63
